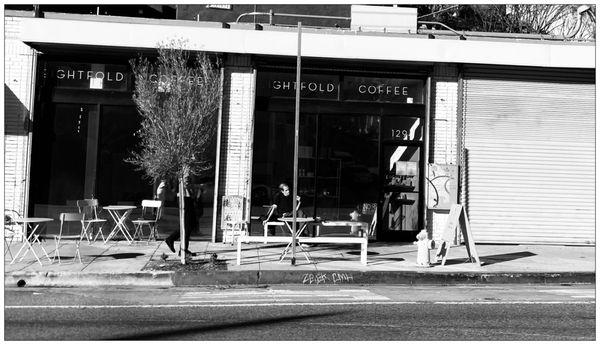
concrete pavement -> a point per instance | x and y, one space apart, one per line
153 264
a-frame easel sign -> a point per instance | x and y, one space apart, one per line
457 217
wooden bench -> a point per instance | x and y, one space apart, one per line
364 226
363 241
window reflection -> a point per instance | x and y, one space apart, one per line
337 161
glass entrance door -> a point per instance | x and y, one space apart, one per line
401 190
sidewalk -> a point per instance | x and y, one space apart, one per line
153 264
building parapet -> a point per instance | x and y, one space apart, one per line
241 38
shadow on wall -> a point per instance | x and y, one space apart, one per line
16 119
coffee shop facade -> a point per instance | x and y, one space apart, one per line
397 123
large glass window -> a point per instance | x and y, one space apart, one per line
60 150
337 161
361 147
348 170
83 132
273 161
119 181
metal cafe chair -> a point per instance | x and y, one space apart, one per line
370 209
65 218
267 222
10 231
89 208
151 212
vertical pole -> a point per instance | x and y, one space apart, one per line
427 157
218 158
296 138
182 228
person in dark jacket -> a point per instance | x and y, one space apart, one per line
283 204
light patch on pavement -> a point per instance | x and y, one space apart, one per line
272 295
574 293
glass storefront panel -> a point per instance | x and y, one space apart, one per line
60 156
337 170
84 131
361 142
348 171
118 181
273 161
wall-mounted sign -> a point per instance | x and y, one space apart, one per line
383 89
442 188
329 86
89 76
311 85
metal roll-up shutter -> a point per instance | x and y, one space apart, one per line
529 136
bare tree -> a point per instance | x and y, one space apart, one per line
177 96
559 20
569 21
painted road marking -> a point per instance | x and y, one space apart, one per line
142 306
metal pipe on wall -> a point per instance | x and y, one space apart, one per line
33 83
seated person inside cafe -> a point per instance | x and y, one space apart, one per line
283 204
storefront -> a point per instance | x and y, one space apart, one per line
381 115
361 144
84 132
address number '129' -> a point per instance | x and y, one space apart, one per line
400 134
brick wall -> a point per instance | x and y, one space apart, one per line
235 164
18 87
443 139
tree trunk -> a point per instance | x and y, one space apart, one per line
182 221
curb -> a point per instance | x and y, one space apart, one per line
212 278
379 277
79 279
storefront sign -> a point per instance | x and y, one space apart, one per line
328 86
90 76
311 86
383 90
110 77
79 74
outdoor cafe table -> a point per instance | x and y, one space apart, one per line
301 224
33 238
119 214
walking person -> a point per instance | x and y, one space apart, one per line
190 218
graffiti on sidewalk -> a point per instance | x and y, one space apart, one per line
327 278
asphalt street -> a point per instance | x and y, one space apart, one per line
294 312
